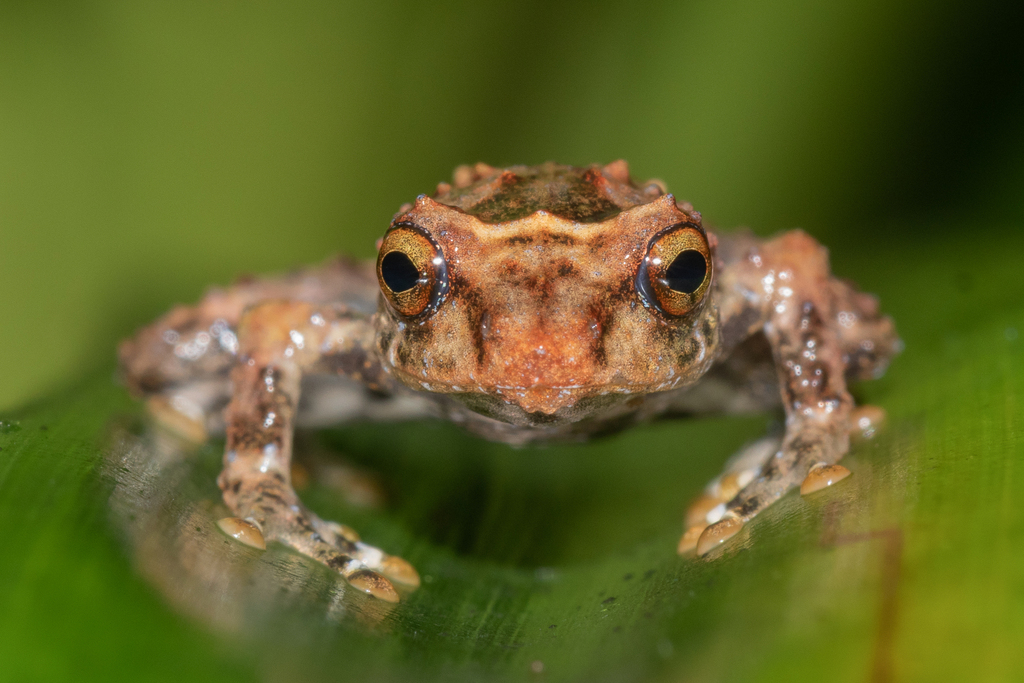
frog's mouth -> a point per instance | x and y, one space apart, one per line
542 406
534 405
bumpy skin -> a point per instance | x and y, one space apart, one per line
539 334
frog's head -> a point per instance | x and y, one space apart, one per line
545 293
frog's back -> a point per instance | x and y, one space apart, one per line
589 194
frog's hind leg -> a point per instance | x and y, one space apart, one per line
278 342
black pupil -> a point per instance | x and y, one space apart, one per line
398 272
687 271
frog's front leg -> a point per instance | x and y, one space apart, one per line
785 290
279 341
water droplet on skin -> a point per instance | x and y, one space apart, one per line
243 531
717 534
823 476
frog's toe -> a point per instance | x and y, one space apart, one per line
330 543
741 469
822 476
182 418
360 568
347 541
335 532
391 566
701 508
374 584
689 539
717 534
400 571
243 531
866 421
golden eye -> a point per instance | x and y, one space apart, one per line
676 273
411 271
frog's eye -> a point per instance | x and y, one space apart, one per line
411 271
676 273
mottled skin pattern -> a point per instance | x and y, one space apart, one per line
540 334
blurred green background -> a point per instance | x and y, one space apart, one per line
149 150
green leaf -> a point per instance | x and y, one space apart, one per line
557 563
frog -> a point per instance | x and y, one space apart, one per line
528 305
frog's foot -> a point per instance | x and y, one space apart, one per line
808 455
346 539
865 423
763 471
822 476
710 506
268 510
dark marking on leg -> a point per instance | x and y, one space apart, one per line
337 563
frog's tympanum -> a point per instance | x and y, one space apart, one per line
527 304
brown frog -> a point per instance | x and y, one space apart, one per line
527 304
